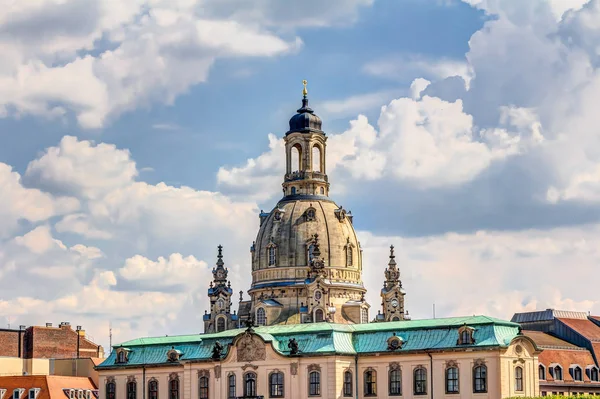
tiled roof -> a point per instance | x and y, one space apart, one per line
315 338
565 358
547 341
586 328
51 387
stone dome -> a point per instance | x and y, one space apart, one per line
290 227
305 120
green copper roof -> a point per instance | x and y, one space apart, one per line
329 338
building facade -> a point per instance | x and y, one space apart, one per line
570 344
476 357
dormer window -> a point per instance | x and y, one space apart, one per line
465 335
33 393
592 373
2 393
122 356
311 214
556 372
173 354
394 342
576 373
18 392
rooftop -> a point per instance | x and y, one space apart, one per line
51 387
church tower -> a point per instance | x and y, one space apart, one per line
219 293
392 294
306 259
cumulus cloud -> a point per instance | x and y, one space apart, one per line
96 59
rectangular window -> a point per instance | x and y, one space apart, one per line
348 384
518 379
452 380
420 381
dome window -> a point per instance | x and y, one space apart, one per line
272 254
311 214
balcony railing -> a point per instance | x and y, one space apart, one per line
301 174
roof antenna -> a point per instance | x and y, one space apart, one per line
109 335
434 310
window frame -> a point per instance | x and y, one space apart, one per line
248 377
542 372
455 389
131 393
231 388
111 389
519 376
174 388
322 313
417 382
220 319
347 388
316 384
480 379
276 386
370 382
575 369
395 386
261 317
203 387
153 383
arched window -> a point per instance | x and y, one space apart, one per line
480 379
518 378
203 387
452 379
420 381
132 390
111 390
347 384
220 324
314 383
465 337
153 389
261 318
272 255
250 384
293 190
276 385
316 159
121 357
542 372
174 388
231 387
370 382
348 255
322 190
395 318
577 373
318 315
395 382
296 157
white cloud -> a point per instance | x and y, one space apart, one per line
158 49
19 203
356 104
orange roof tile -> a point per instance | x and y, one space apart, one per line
565 358
51 386
544 340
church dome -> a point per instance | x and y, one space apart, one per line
305 120
285 237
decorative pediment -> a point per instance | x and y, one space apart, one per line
313 367
249 366
131 378
110 379
203 373
479 362
451 363
173 377
394 366
250 347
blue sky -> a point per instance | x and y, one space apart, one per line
135 139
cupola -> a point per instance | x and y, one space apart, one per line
305 121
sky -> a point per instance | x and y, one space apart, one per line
137 136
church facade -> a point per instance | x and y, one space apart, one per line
305 331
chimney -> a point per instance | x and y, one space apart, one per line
65 324
48 324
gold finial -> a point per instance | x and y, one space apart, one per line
304 91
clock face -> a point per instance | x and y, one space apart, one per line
395 302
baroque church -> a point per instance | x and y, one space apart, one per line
306 260
304 330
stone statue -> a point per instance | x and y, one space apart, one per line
293 345
217 351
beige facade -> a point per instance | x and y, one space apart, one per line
251 354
